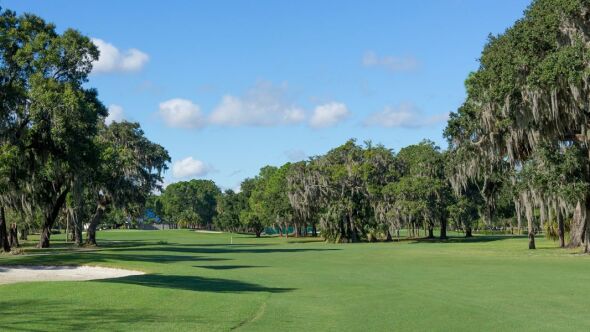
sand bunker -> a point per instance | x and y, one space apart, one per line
26 273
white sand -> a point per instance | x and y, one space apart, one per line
26 273
205 231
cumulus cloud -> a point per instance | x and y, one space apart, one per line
111 59
116 114
181 113
263 105
390 63
189 167
328 115
405 115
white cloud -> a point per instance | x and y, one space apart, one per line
189 167
328 115
263 105
116 114
390 63
181 113
405 115
295 155
113 60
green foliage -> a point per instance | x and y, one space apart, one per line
525 116
55 150
229 206
192 202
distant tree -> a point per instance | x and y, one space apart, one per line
130 169
187 197
464 209
268 202
229 206
381 168
252 217
422 191
303 194
343 193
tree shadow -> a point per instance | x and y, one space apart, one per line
60 246
103 257
305 240
227 267
228 249
43 315
5 268
195 283
462 239
224 244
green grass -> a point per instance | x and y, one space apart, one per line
201 282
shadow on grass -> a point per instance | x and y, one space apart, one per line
81 258
462 239
59 246
305 240
195 283
226 267
43 315
228 249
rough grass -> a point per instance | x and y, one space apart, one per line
199 281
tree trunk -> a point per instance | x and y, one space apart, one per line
13 236
388 238
518 214
342 227
280 230
44 237
443 228
586 209
24 233
258 232
430 231
560 228
531 240
94 222
50 220
577 226
314 231
531 233
530 226
352 231
587 225
468 232
78 229
4 244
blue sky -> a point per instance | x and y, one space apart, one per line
230 86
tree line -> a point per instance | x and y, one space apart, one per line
355 192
